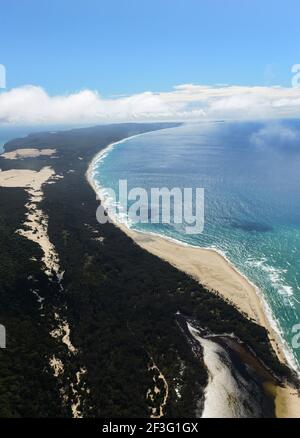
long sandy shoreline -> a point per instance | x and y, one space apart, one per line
204 264
217 274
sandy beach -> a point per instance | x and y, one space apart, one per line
207 266
214 271
27 153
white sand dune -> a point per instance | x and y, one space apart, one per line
35 228
27 153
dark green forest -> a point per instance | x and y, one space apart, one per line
120 301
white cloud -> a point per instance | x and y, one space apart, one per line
276 135
32 105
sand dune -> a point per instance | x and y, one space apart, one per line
27 153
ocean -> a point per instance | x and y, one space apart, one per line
11 132
251 180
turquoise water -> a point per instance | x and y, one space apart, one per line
250 174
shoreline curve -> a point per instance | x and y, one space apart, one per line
214 271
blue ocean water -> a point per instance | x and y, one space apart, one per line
250 174
10 132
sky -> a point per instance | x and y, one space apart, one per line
95 51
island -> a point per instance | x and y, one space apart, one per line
97 323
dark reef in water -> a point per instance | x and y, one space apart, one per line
251 226
120 301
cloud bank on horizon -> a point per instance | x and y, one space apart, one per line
31 105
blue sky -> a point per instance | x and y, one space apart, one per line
130 46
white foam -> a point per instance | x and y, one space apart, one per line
277 280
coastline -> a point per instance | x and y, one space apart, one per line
217 274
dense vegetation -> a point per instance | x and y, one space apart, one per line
120 301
